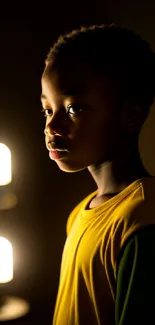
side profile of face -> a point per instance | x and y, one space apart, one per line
81 110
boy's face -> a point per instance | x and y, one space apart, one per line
90 130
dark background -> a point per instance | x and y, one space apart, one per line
36 226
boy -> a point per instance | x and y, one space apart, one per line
97 88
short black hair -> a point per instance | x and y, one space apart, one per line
112 51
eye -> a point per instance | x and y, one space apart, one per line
74 108
45 111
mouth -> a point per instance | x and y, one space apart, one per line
58 153
52 146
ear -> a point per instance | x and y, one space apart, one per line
131 118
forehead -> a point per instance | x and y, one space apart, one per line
96 91
69 80
78 81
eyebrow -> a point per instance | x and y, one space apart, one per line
42 97
63 94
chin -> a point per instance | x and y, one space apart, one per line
70 168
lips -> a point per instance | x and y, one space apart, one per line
57 144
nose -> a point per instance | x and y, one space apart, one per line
48 131
57 125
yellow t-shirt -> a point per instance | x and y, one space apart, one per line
87 286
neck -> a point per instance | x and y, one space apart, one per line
113 176
129 169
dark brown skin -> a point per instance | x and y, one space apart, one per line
99 136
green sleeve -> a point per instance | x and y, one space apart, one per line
135 280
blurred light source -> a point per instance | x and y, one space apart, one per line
5 165
6 261
8 199
12 308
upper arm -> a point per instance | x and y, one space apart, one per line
135 281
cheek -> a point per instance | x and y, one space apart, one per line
94 135
94 130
